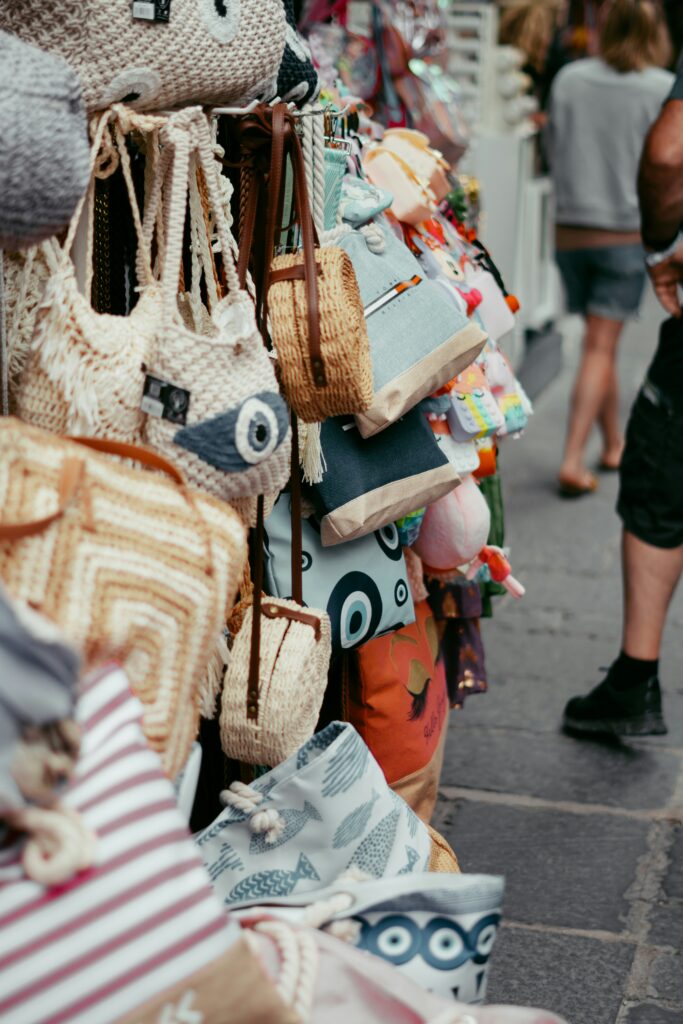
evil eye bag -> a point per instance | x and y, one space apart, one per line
363 585
437 929
212 399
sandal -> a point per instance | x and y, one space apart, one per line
573 489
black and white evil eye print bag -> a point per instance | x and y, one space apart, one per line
159 54
362 585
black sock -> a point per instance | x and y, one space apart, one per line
627 672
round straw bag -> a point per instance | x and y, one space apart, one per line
317 320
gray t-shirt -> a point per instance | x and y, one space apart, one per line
598 120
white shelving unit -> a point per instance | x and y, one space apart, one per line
516 202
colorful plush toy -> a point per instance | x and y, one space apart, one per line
499 568
455 528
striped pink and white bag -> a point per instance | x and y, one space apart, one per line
140 936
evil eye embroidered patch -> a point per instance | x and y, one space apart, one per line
241 438
136 86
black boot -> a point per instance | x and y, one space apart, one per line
636 711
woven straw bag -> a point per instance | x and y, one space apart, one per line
277 675
206 51
84 370
133 566
231 436
317 321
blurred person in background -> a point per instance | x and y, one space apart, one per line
600 111
628 701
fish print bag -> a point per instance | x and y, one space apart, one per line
325 810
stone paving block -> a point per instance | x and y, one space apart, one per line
558 767
667 925
581 979
649 1013
666 979
560 869
673 883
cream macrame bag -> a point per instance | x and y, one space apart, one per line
84 370
213 401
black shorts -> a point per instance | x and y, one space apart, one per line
651 477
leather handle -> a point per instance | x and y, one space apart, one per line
145 456
273 611
70 480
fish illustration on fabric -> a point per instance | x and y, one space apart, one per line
318 742
413 858
294 821
374 852
239 439
346 765
259 886
228 860
354 824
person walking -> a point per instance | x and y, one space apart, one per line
600 111
628 701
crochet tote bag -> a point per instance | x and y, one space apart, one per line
83 373
212 399
159 54
132 566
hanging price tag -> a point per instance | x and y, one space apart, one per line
152 10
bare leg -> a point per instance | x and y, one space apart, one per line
591 388
608 421
650 579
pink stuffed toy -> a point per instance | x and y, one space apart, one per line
455 528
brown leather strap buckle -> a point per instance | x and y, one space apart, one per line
278 611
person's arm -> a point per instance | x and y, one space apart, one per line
660 190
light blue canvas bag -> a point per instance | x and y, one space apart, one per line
418 339
323 811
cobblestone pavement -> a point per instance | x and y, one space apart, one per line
588 835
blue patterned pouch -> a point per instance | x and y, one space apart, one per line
297 828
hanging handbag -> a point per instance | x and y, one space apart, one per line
84 370
362 585
277 675
473 412
40 183
369 483
418 340
156 55
139 937
132 566
326 809
427 163
412 197
212 399
395 695
316 320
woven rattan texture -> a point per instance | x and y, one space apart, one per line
343 339
292 682
138 570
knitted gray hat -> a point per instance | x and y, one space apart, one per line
44 151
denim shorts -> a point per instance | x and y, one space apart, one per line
606 281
